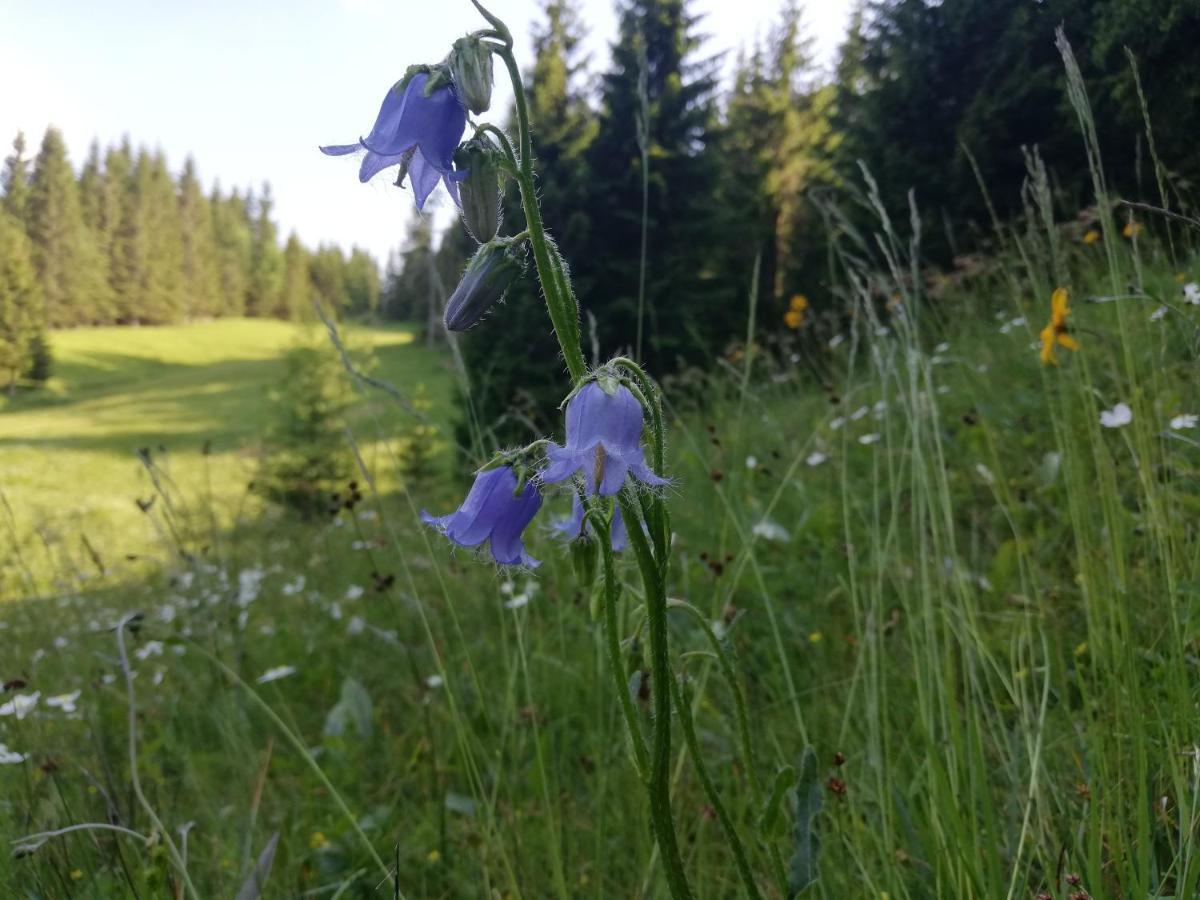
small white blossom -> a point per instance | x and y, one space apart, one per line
751 462
65 702
836 341
159 675
1184 420
354 592
985 473
881 331
293 587
1191 293
1158 314
837 423
356 625
1117 417
10 757
61 643
770 530
868 439
816 458
149 649
276 673
859 413
1010 325
434 681
249 582
21 705
941 348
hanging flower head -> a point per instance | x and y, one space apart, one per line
1055 331
493 510
418 128
604 433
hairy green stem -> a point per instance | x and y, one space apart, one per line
710 789
564 316
659 785
612 592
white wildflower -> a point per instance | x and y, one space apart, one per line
1184 420
356 625
837 423
1117 417
1191 293
149 649
65 702
434 681
293 587
868 439
20 705
770 530
1158 314
354 592
985 473
276 673
816 458
249 582
836 341
751 462
859 413
10 757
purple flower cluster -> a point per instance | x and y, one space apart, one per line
604 432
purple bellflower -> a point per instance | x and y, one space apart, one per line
604 433
493 509
572 526
417 131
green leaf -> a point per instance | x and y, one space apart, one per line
803 870
769 821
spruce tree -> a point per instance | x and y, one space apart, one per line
14 180
73 287
20 302
657 78
201 276
297 287
265 287
234 241
362 284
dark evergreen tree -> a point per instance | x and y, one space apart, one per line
297 287
657 78
14 180
200 273
67 260
234 248
362 284
161 284
20 302
265 287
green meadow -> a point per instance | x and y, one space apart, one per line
197 397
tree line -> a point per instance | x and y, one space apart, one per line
125 241
936 97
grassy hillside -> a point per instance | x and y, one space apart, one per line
199 397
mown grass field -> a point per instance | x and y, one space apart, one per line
969 581
198 397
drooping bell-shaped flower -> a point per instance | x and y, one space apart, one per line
418 127
491 272
493 510
572 526
604 433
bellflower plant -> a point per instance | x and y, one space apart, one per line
604 434
610 462
418 128
497 511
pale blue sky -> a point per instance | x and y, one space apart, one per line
251 88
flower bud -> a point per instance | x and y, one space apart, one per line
491 271
480 189
470 63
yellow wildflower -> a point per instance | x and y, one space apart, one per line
433 856
1081 649
793 318
1132 229
1091 236
76 874
799 302
815 637
1055 331
1181 277
318 841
